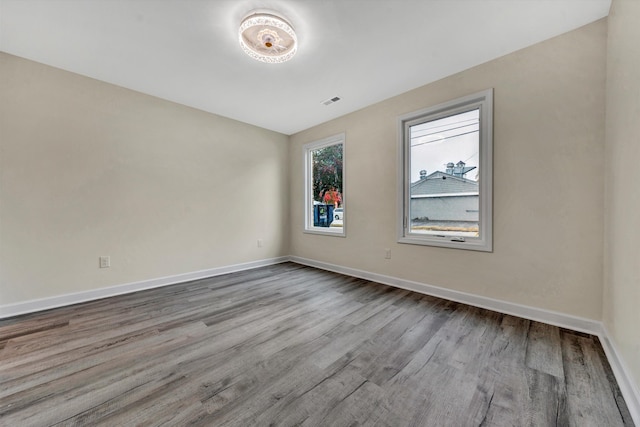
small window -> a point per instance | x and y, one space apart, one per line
324 186
446 174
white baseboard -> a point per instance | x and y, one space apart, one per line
628 388
31 306
625 381
538 314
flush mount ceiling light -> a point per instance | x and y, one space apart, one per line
267 37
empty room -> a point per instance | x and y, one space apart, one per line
319 213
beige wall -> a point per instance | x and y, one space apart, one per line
622 198
92 169
548 181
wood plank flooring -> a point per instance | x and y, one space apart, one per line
289 345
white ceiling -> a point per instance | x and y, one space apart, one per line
364 51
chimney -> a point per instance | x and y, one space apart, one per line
423 174
450 167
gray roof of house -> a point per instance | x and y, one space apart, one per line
442 183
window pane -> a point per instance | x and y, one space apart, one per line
325 186
445 171
445 174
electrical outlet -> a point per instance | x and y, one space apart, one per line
260 243
387 253
105 262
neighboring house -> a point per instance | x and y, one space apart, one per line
445 197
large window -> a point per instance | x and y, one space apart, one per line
446 174
324 186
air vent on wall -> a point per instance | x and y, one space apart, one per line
331 100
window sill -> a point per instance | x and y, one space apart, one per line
448 242
327 231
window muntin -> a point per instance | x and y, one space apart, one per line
324 186
446 174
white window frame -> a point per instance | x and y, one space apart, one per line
308 183
484 101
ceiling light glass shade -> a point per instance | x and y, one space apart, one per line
268 38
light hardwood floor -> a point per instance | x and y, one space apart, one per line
291 345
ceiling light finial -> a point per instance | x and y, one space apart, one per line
267 37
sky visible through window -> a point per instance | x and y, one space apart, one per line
450 139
